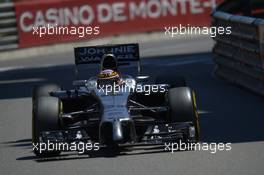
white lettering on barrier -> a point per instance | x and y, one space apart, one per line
23 17
111 12
104 13
118 12
90 13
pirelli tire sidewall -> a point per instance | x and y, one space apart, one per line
41 91
183 107
45 117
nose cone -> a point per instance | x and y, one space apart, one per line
111 132
117 131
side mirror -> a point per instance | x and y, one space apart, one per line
142 79
79 83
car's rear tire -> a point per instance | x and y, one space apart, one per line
173 81
45 117
183 108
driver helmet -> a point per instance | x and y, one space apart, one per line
108 77
109 61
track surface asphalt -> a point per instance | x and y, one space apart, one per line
229 114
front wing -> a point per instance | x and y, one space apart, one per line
155 134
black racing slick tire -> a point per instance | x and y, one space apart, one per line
183 108
173 81
44 90
45 117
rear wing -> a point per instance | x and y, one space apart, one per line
124 53
94 54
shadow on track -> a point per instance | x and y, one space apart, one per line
22 143
19 83
102 153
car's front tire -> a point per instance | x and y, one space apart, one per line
44 90
182 104
45 117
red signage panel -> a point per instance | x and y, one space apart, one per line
53 21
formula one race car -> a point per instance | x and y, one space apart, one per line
114 109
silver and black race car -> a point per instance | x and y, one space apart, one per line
119 117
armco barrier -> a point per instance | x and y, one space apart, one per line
240 56
8 29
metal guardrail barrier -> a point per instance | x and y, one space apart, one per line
239 57
8 28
